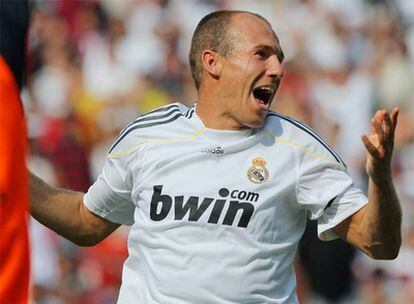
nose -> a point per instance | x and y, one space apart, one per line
274 67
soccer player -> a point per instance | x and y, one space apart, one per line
14 249
218 195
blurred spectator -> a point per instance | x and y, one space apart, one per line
14 194
327 266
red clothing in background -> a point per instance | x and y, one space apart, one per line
14 249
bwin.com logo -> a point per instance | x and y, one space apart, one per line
230 203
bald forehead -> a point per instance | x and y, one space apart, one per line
241 16
249 23
249 29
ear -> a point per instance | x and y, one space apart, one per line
212 63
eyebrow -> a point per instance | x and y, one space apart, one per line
278 51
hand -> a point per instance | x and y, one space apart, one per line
380 144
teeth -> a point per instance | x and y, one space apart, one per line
267 89
264 94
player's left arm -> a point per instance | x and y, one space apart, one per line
376 228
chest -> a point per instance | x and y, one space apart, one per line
244 185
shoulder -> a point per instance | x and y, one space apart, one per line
299 135
153 123
288 127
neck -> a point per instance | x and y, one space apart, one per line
212 112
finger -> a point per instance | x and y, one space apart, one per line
387 119
394 117
387 125
376 122
369 146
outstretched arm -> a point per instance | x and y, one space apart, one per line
376 228
63 211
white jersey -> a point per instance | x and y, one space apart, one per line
217 215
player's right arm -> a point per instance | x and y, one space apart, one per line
64 212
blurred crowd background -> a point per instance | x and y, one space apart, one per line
96 65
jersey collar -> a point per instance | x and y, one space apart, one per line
224 136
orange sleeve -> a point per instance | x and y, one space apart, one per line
14 246
11 124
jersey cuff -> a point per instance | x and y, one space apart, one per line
102 213
327 222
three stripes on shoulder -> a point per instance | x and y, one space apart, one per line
158 116
312 133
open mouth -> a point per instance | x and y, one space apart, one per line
264 94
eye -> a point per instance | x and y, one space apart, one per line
262 54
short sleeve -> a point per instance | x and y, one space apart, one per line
110 195
343 206
326 191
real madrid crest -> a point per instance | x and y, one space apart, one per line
258 173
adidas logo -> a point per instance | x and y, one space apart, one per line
217 150
233 202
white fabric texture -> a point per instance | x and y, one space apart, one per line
217 215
